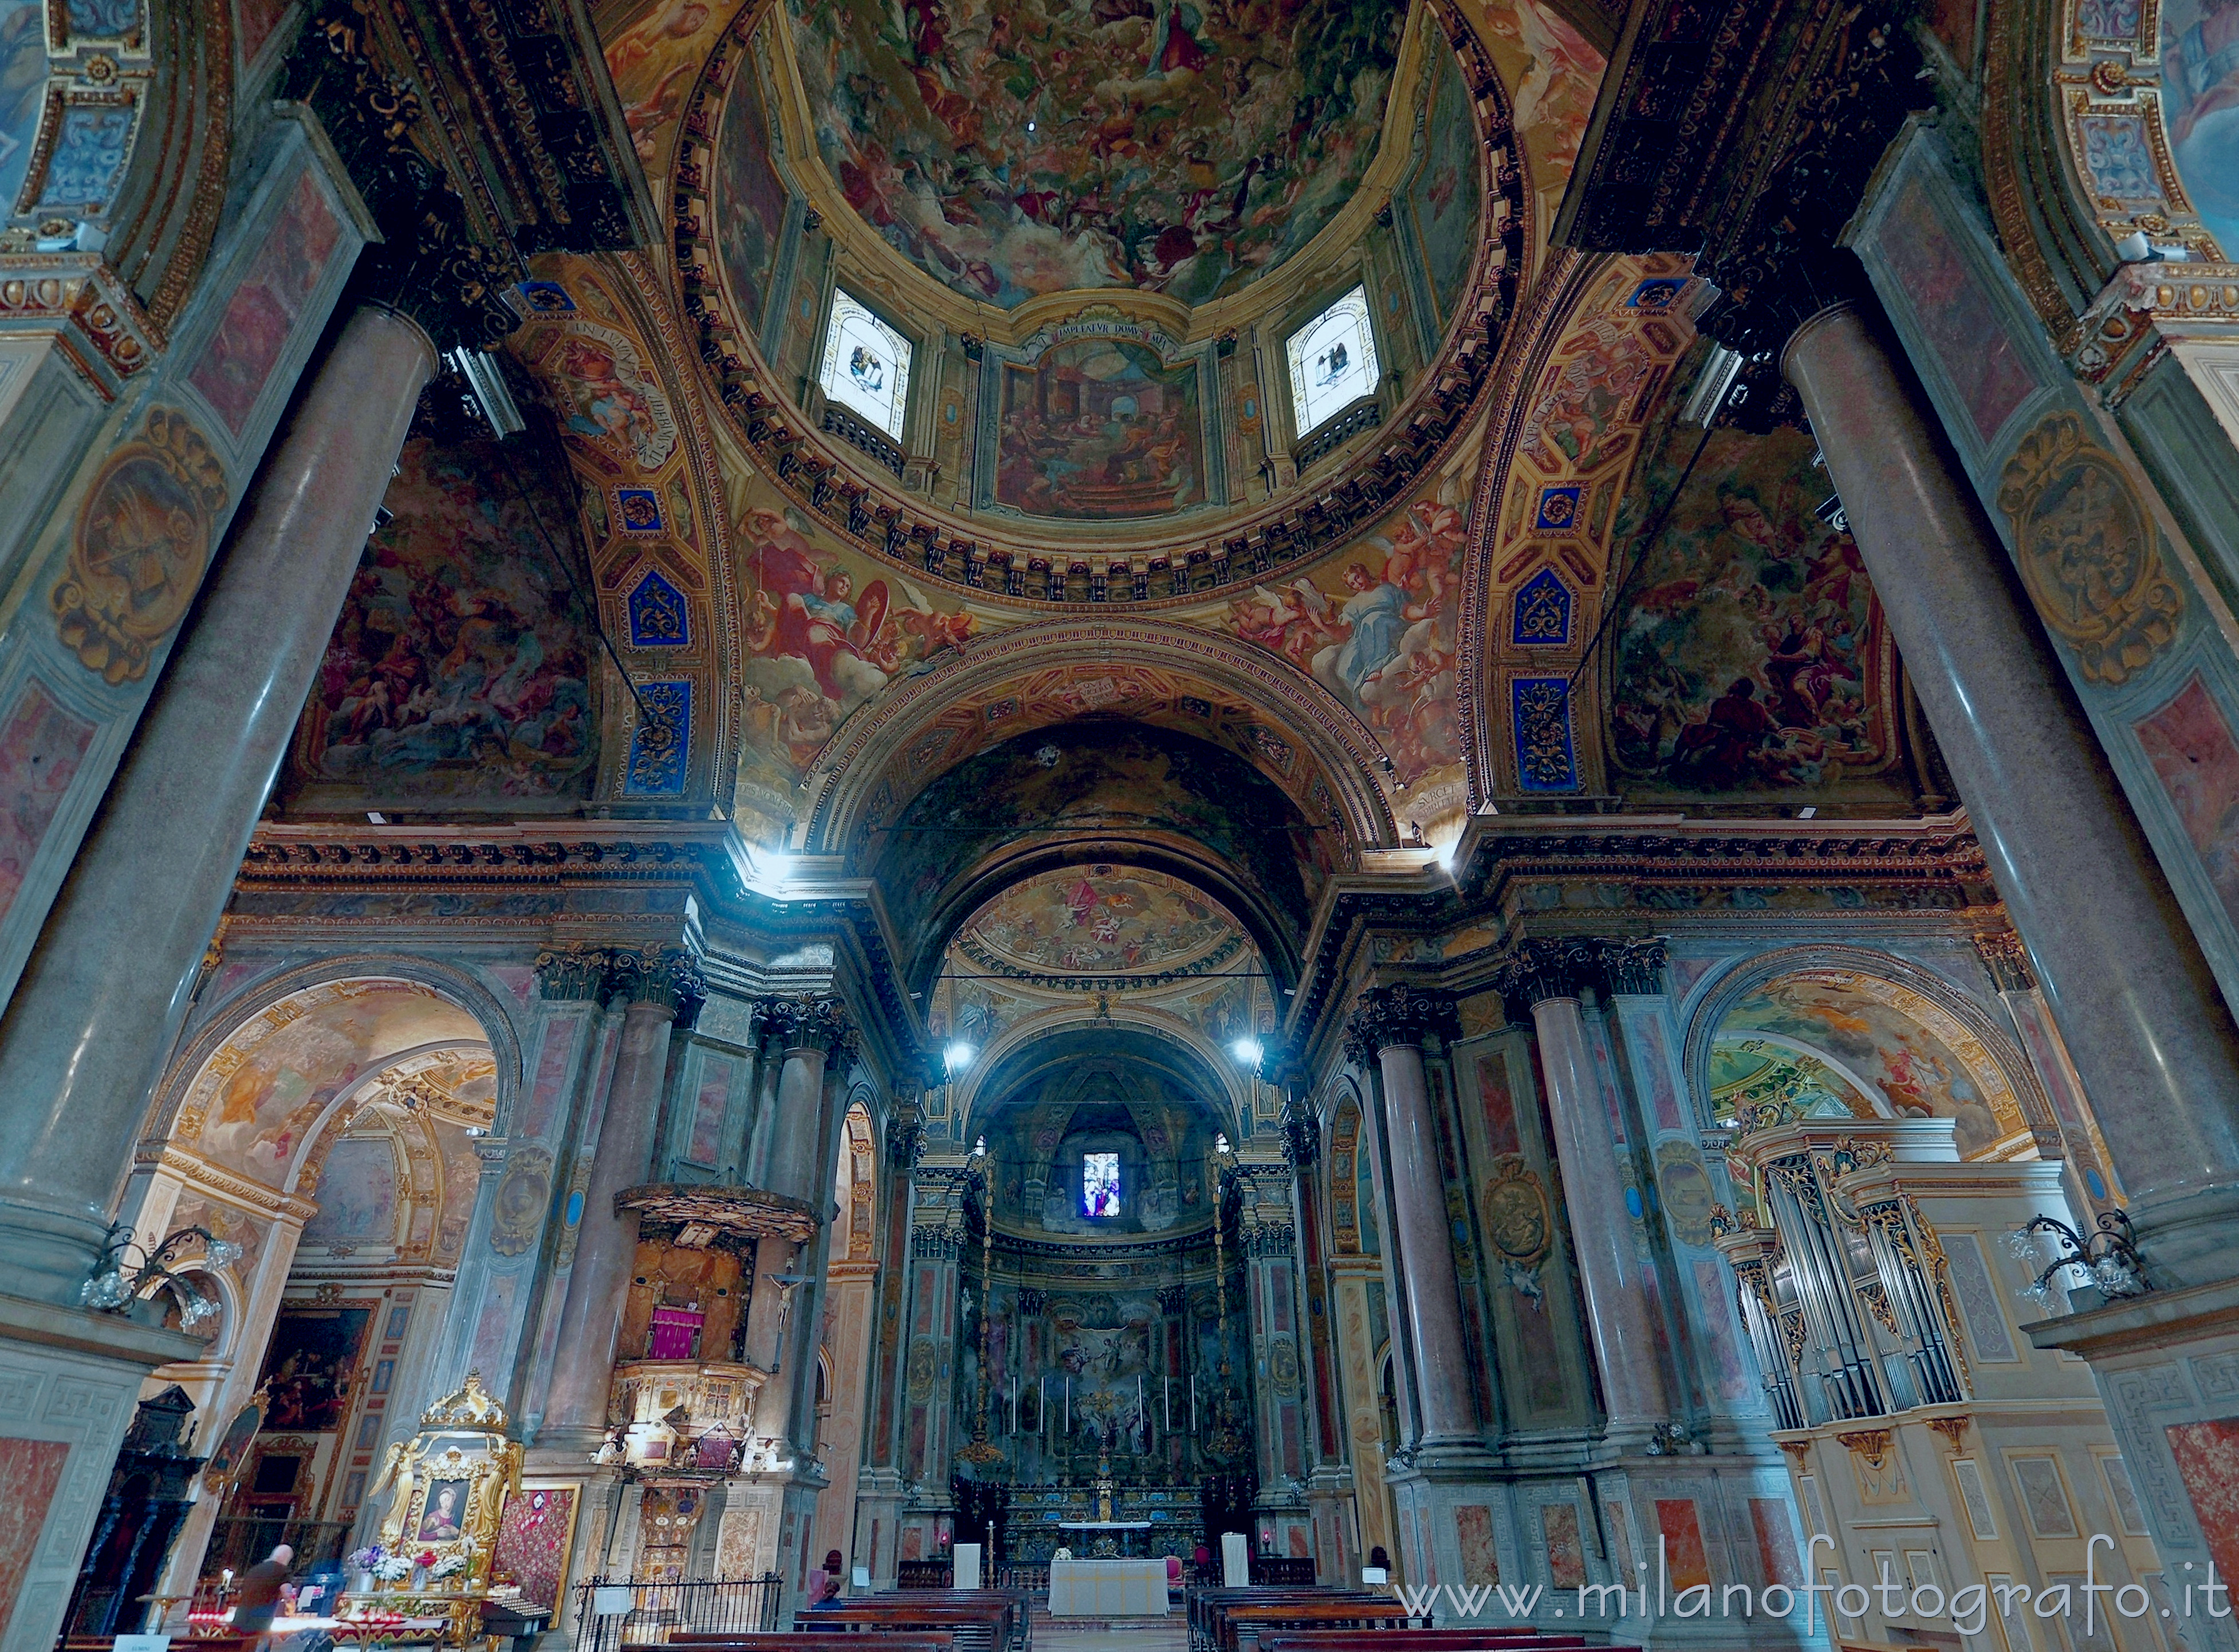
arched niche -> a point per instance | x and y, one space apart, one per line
1872 1035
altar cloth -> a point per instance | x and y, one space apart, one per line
1108 1588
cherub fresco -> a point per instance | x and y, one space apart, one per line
610 397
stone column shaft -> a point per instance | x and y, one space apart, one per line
1394 1021
606 1247
2118 963
1617 1309
104 992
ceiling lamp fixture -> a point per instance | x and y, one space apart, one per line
958 1057
1247 1050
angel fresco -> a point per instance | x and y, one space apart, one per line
1388 648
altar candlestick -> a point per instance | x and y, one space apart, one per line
1167 1400
1193 1401
1068 1405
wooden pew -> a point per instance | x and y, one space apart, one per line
1205 1604
976 1627
778 1641
919 1640
1488 1639
1241 1627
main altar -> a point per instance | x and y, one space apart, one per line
1108 1588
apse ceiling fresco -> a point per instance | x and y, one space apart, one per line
1016 150
1102 919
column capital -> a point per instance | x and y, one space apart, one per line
806 1023
2007 959
667 976
1395 1016
1302 1138
1538 970
906 1139
574 973
1633 968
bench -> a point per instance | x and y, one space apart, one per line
1488 1639
975 1626
1207 1606
1240 1627
922 1641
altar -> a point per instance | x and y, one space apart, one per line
1108 1588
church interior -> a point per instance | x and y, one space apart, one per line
1227 824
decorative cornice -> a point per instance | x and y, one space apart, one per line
744 1212
1400 1016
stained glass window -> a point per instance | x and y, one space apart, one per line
866 365
1332 361
1100 1183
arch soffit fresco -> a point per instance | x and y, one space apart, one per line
1993 1061
257 996
855 786
1591 357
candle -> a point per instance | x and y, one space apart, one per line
1042 1416
1193 1401
1068 1403
1166 1399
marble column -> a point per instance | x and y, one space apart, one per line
654 986
1389 1026
1622 1319
2156 1048
107 987
813 1032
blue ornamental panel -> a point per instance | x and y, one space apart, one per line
639 509
1558 509
1547 758
659 615
662 743
1542 614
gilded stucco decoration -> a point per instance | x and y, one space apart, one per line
143 538
2089 556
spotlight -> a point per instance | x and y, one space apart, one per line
958 1057
1247 1050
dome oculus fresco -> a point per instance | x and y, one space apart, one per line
1014 148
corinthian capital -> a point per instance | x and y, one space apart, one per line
1396 1016
577 974
808 1024
667 976
1535 971
1634 968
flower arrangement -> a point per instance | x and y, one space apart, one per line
366 1559
392 1569
448 1566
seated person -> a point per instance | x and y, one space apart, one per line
824 1586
